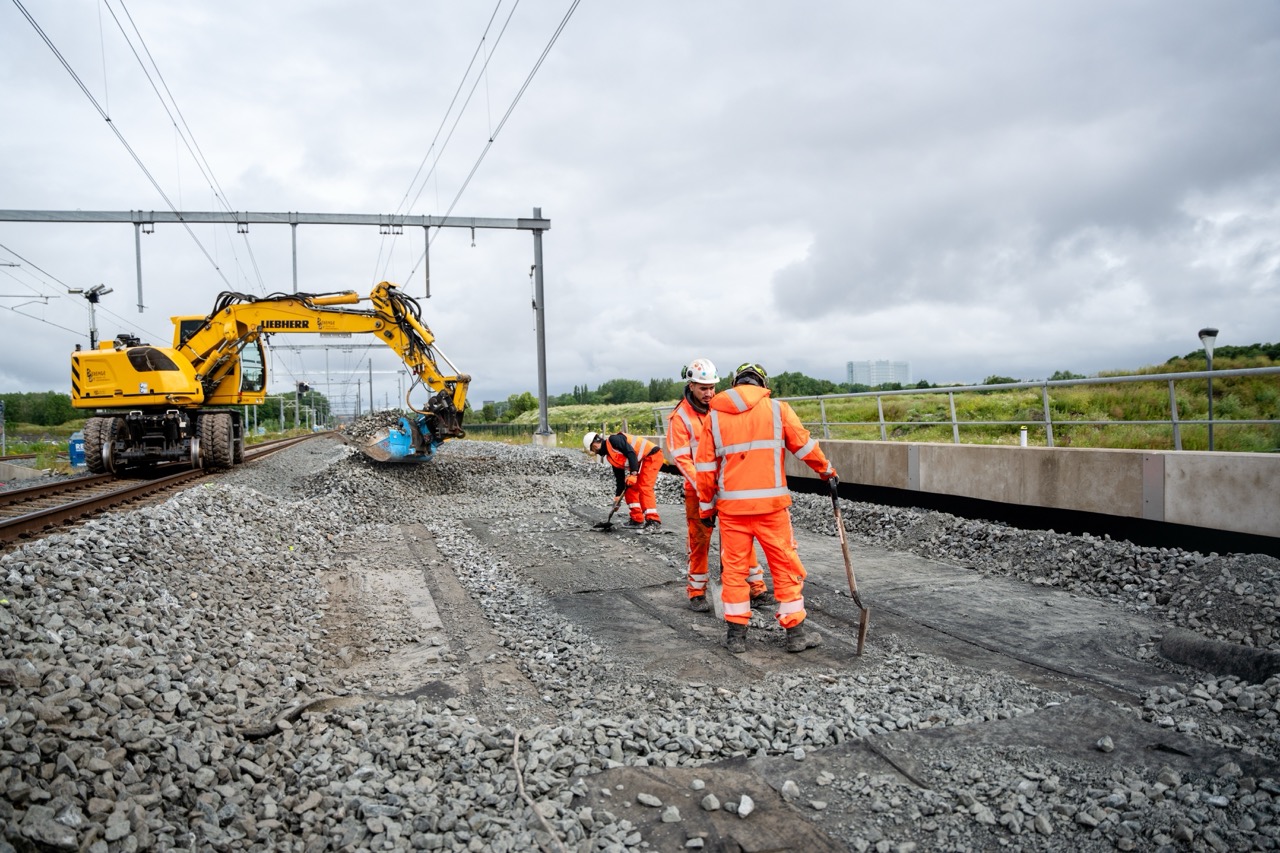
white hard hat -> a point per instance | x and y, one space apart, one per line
590 439
701 371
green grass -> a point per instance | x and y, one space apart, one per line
927 417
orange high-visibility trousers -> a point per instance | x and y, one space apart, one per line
700 545
773 531
640 498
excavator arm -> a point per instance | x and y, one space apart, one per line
213 347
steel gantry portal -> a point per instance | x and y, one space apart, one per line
144 222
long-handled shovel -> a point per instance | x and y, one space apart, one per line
848 570
607 524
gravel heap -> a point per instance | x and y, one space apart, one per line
366 426
1232 597
143 651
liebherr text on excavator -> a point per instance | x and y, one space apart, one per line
183 403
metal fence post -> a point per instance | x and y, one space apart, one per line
1048 418
880 409
1173 418
955 425
822 408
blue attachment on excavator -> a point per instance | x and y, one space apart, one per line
407 441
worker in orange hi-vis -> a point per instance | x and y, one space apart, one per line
749 432
689 444
636 462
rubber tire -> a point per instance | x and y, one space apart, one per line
93 429
112 429
216 442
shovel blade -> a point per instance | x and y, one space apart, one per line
713 592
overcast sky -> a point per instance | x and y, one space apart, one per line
976 188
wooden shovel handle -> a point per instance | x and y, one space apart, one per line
865 613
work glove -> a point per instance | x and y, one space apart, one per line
632 479
833 483
709 522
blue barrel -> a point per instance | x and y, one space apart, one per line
75 449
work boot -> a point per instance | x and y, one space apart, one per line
632 524
736 639
653 524
699 604
764 599
800 638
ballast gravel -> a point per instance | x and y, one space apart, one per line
141 650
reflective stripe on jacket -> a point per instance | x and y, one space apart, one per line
690 446
750 431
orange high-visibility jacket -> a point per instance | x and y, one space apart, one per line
689 443
626 453
750 431
639 446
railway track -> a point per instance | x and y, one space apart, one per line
36 510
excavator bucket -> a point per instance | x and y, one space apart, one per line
399 442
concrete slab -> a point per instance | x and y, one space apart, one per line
10 472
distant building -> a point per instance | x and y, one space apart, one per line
879 372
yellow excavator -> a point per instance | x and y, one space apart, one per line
181 403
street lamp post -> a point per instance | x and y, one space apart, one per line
1207 337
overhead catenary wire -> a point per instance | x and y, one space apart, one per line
137 159
15 310
27 265
381 264
184 132
502 123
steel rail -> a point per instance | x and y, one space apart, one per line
39 521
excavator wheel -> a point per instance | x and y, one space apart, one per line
93 445
216 442
113 430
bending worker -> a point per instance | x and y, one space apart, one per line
689 443
636 462
749 431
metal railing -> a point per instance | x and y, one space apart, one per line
1048 423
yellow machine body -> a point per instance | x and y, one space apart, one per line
150 399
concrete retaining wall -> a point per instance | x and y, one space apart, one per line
10 472
1238 492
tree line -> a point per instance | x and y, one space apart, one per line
789 384
51 408
43 408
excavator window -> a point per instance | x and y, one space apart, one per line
253 376
187 326
149 359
